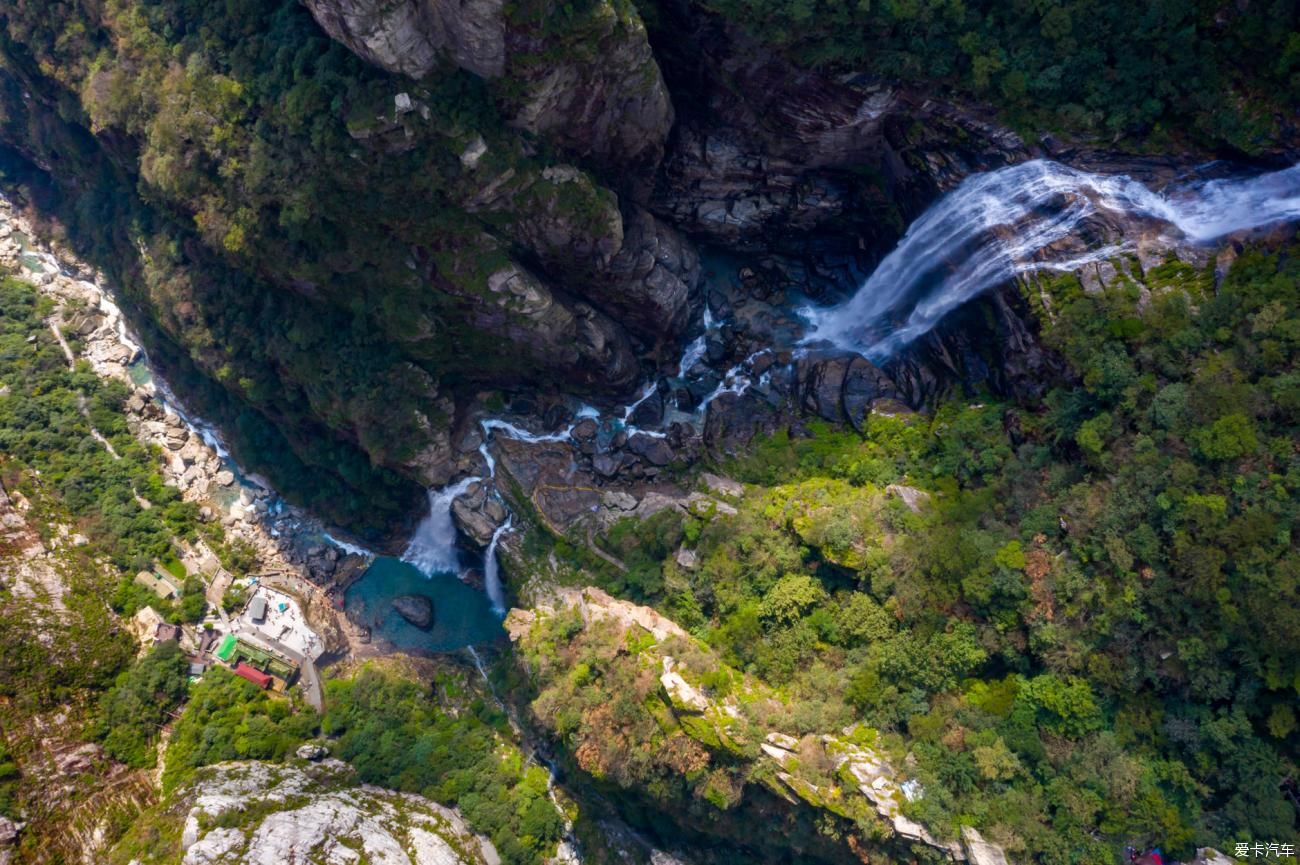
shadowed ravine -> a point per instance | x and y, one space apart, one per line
992 228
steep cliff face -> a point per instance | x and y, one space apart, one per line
411 37
768 156
342 243
333 255
705 750
581 76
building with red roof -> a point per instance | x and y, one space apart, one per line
252 674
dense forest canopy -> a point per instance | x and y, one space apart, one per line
1085 633
1152 72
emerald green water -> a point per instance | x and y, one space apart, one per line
462 615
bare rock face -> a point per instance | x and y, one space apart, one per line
653 280
626 262
409 37
478 513
609 104
265 813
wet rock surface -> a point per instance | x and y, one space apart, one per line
417 610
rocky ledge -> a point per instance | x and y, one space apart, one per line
860 784
266 814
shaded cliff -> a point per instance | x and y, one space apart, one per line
343 225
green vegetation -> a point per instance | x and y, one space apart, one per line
1152 72
44 663
1087 632
262 210
140 703
46 438
191 607
9 775
229 718
449 749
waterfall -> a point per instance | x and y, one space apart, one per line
691 356
645 395
350 548
1002 223
486 453
482 671
432 549
736 380
492 570
516 432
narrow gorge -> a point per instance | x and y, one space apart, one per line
685 433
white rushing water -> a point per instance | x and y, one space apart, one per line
347 547
432 549
999 224
492 570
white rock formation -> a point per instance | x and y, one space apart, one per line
256 813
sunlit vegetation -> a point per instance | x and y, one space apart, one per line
46 419
1086 631
229 718
139 704
449 747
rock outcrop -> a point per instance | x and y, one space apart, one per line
769 156
258 813
857 783
411 37
587 82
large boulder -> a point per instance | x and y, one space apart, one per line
478 513
417 610
411 37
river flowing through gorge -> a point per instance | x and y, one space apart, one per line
990 229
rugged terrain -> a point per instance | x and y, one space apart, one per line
1024 590
408 244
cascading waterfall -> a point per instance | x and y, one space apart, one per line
432 549
997 225
735 380
645 395
691 356
486 453
482 671
348 547
492 570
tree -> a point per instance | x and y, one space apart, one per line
791 598
1229 437
138 704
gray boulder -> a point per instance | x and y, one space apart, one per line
417 610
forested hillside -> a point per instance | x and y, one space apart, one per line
875 426
1078 616
1154 74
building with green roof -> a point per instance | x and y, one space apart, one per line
227 648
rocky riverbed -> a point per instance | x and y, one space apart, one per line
290 547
